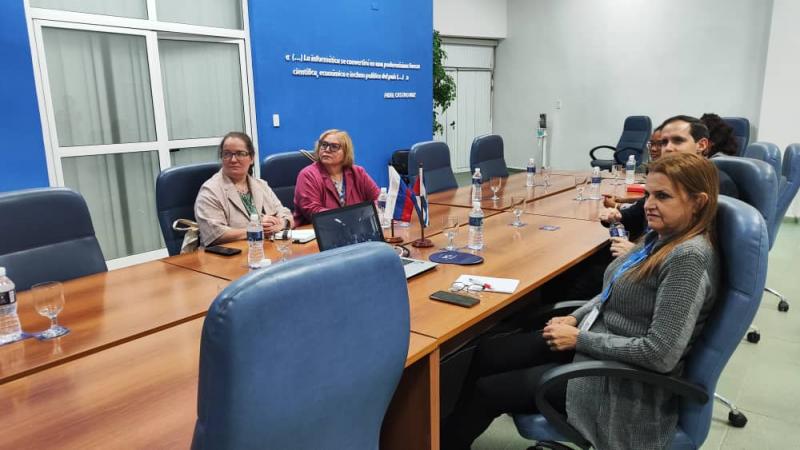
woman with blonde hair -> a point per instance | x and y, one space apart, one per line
333 180
654 303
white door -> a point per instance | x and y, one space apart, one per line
468 116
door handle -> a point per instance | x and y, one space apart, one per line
453 124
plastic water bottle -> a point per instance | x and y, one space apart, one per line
10 330
475 238
477 194
630 169
382 208
255 242
617 229
594 189
530 181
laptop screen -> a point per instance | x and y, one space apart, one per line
348 225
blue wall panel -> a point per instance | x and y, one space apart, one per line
396 30
22 159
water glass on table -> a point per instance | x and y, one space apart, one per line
518 204
580 188
494 184
284 246
48 299
545 176
450 227
616 171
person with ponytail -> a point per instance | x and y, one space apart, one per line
654 303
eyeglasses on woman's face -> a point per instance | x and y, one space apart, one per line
332 147
227 156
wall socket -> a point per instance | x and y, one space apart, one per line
558 104
276 120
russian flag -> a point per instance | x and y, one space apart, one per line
400 200
422 199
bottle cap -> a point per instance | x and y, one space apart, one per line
531 161
253 217
477 170
476 205
2 271
383 190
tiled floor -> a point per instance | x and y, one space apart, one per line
762 379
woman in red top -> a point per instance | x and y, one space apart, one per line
333 181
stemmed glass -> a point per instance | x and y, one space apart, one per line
48 298
580 187
518 204
616 170
495 183
450 226
546 176
284 246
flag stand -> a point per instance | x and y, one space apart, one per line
393 239
422 242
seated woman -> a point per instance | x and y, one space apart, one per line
333 181
653 305
226 201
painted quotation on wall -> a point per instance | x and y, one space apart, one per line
356 69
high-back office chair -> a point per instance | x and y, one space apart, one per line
633 141
280 172
35 249
435 159
743 245
770 153
400 163
767 152
176 191
487 153
288 363
741 130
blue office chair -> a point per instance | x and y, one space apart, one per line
435 159
487 154
741 130
36 248
633 141
770 153
767 152
176 191
280 172
304 354
743 245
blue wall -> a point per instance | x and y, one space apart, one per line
378 30
22 159
397 31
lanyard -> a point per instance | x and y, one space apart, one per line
633 259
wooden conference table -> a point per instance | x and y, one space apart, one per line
126 376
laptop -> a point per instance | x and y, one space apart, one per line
355 224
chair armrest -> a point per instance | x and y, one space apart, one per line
591 152
560 374
638 151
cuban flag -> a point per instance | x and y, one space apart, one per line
400 202
422 199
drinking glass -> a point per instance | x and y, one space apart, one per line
546 176
450 227
518 204
495 186
284 246
616 171
580 187
48 299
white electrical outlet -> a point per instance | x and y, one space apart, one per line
558 104
276 120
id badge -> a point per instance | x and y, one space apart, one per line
589 320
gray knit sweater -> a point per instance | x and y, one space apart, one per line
651 324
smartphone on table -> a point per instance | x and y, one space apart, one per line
224 251
455 299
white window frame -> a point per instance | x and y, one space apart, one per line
152 31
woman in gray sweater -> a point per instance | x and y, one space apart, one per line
653 305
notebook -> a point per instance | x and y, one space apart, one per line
355 224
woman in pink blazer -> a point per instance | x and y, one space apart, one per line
333 181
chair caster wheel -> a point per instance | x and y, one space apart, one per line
754 337
737 419
783 306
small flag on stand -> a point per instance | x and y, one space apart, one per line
400 200
422 199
